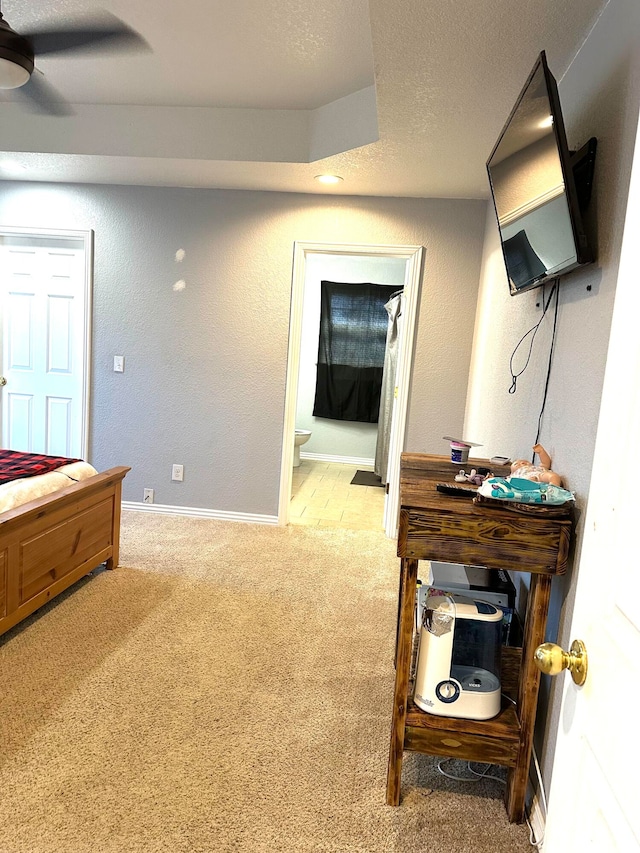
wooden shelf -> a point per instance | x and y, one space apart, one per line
505 724
495 741
434 526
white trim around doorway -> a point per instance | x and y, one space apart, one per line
413 269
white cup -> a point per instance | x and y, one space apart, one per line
459 452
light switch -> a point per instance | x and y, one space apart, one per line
118 364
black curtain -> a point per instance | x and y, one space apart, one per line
353 334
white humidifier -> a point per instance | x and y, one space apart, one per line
458 672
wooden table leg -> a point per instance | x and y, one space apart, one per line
408 578
534 630
114 559
400 577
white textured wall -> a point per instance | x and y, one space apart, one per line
205 367
331 437
600 95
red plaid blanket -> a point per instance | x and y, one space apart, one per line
14 464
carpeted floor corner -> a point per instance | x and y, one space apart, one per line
228 688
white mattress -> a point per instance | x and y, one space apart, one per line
26 489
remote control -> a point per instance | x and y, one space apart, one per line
456 491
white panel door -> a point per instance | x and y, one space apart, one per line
43 344
593 804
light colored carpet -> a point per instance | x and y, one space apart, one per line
228 688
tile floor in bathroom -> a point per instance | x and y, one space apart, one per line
322 496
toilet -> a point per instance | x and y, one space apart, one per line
302 436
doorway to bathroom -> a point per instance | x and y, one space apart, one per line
336 449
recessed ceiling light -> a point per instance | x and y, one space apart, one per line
329 179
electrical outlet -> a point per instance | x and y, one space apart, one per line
177 473
148 496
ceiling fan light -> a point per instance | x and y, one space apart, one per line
12 75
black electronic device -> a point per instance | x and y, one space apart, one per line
456 491
492 585
540 188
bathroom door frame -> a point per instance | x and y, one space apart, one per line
413 256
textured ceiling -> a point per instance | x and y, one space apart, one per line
256 94
273 54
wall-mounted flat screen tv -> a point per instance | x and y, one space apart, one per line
537 200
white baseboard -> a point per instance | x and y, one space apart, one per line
537 817
346 460
195 512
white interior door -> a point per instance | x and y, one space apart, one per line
593 803
44 301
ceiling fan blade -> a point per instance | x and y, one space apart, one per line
106 32
40 97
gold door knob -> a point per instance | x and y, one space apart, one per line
551 660
3 381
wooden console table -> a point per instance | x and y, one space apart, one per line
434 526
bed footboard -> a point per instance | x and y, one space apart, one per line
47 544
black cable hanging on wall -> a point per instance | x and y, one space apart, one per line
534 330
546 384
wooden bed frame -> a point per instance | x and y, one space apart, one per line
48 544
